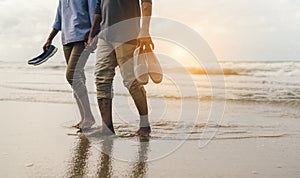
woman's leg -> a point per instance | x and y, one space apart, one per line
76 78
67 52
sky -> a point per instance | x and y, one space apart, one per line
235 29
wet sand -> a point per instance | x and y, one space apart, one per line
36 144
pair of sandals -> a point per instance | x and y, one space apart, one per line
146 64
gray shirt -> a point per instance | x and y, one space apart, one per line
120 19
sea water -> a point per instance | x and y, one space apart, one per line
251 99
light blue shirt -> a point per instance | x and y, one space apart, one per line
74 19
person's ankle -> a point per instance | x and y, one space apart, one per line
146 128
144 121
90 118
109 128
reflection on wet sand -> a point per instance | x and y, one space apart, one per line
140 166
79 168
79 159
104 169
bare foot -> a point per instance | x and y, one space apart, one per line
101 132
77 126
86 123
144 132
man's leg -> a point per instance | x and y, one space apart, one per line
105 107
76 78
124 55
104 73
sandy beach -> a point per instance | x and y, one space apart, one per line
35 145
228 105
253 139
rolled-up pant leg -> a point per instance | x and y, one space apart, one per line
105 69
124 54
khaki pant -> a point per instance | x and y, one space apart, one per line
75 67
109 56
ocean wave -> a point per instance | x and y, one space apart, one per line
269 82
289 68
250 68
288 97
201 71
